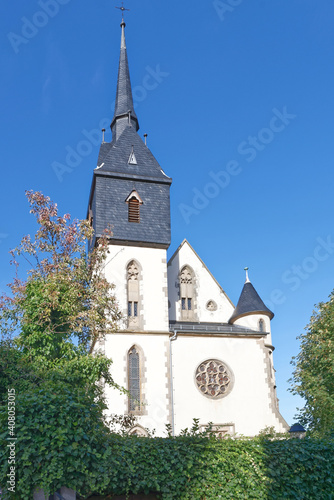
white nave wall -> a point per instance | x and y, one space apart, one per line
152 283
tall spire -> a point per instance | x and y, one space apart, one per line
124 114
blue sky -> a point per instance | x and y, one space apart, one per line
237 99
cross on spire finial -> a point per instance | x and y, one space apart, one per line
122 9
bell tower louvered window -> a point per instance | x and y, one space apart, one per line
134 379
134 201
134 210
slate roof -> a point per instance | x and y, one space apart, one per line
205 327
250 303
110 208
297 428
124 100
115 157
115 177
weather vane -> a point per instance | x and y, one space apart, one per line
122 9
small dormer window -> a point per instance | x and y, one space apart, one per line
134 201
132 158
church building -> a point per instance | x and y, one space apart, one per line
183 350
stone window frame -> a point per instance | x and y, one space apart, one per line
140 409
221 431
134 322
187 314
138 430
214 304
230 373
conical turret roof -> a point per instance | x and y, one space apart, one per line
250 303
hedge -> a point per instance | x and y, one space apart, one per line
201 468
62 440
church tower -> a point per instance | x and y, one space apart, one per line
130 194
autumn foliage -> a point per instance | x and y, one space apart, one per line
65 294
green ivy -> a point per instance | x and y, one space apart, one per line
82 454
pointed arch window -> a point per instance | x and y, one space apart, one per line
134 379
187 293
139 431
134 201
133 294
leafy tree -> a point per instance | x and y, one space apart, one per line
66 295
313 376
50 324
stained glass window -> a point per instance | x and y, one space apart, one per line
213 379
134 380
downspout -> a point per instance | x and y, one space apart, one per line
174 337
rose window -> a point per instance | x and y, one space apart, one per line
213 379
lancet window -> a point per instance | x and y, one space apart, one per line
187 293
133 294
134 379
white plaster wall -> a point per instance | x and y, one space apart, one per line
206 288
152 286
247 405
154 349
252 321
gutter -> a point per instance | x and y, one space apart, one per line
171 339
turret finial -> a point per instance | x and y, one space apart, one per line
247 278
